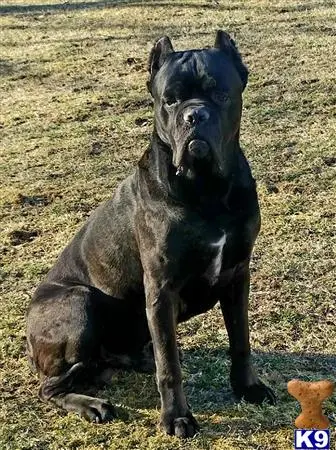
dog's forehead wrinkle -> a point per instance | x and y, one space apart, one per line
204 69
203 73
185 58
196 64
199 79
208 70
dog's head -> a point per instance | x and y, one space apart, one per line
198 102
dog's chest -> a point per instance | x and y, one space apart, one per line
199 293
215 252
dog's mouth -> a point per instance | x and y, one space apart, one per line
194 157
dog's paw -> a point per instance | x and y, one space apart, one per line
182 427
256 393
98 411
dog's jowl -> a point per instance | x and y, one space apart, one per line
175 239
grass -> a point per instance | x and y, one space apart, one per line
75 118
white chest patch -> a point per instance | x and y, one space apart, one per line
215 266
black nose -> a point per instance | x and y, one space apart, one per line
198 149
195 114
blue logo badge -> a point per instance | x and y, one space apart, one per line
312 439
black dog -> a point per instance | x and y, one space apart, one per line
176 237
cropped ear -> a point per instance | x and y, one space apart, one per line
224 43
161 49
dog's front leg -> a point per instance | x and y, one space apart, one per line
234 304
176 417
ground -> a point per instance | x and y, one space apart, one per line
75 118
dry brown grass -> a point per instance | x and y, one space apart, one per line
75 117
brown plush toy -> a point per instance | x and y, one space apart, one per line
311 395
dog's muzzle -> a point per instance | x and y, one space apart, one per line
196 152
198 149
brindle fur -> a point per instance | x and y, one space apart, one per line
175 239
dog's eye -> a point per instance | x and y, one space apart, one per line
170 101
221 97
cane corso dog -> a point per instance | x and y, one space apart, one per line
175 239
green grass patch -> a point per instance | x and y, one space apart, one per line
75 117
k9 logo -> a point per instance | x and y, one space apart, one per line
312 439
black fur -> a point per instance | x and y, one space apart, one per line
175 239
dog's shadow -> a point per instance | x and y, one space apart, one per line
206 375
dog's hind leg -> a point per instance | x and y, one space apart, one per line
56 389
63 342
